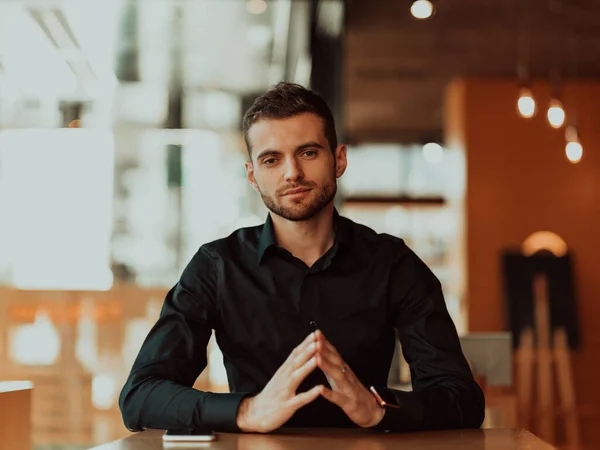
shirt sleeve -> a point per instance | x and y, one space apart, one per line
158 392
445 394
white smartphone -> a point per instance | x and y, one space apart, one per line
176 436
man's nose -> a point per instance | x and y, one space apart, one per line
293 171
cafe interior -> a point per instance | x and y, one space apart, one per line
473 134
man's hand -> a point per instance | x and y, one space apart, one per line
278 401
346 389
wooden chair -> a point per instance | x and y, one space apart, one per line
15 414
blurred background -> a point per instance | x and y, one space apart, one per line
473 133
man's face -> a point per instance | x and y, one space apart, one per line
292 166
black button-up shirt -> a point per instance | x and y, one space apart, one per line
262 302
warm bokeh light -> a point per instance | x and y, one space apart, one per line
526 103
556 114
35 344
573 148
256 6
544 240
574 151
421 9
433 153
104 391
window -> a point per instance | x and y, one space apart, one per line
56 203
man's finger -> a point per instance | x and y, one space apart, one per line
306 397
335 397
331 369
327 345
333 357
300 354
301 359
302 372
305 343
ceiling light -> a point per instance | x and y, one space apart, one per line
526 103
574 152
573 148
422 9
556 113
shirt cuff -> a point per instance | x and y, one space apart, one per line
409 417
219 411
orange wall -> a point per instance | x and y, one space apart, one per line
518 182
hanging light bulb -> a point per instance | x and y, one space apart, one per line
422 9
573 148
526 103
574 152
556 113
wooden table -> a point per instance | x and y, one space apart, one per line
327 439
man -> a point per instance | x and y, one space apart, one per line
304 307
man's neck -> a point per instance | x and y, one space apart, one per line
307 240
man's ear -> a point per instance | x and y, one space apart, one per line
341 161
250 175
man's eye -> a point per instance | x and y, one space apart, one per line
269 161
310 153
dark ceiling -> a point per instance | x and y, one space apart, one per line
397 67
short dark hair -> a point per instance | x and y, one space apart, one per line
287 100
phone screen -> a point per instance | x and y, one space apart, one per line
189 436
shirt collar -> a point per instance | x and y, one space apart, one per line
267 235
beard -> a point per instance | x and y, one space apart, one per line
303 209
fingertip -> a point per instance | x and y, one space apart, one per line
319 346
313 393
322 391
319 390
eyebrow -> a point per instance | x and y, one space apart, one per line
271 152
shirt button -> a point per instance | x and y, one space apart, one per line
313 324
